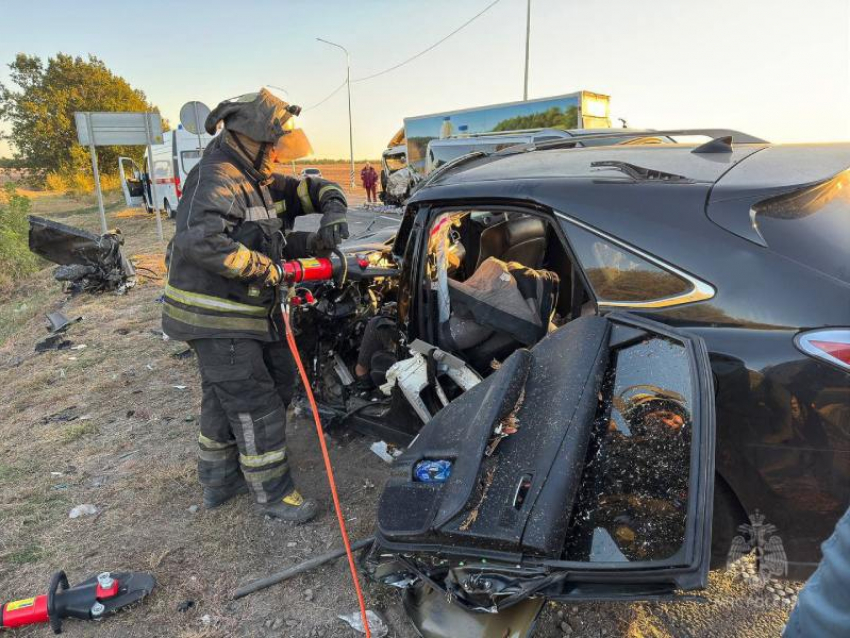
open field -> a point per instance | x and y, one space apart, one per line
115 425
340 173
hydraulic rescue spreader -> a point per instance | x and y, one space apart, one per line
93 599
337 268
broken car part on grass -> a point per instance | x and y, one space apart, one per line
57 325
86 262
59 322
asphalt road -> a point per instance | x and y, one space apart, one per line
359 219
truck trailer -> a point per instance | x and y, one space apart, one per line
427 141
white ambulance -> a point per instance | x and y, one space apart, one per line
172 161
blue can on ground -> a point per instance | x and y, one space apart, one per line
432 471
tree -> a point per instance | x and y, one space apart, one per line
41 112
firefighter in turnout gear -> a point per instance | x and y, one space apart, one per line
222 297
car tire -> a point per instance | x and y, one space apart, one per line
169 212
728 514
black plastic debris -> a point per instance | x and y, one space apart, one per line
58 322
67 414
185 606
53 342
87 262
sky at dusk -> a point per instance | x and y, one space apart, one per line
779 69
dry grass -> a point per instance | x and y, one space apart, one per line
150 267
133 213
79 184
134 458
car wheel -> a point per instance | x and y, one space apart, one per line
728 514
169 213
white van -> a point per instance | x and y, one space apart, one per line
172 161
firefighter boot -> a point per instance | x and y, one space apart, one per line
293 508
216 496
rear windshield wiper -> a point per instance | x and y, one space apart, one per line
641 174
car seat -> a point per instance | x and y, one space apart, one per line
520 239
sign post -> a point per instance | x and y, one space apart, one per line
93 151
154 193
119 129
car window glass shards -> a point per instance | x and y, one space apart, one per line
634 494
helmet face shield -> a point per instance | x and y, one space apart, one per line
292 145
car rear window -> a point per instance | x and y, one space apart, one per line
811 226
618 275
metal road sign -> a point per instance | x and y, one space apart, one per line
117 129
120 129
193 115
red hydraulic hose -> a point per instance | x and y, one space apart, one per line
290 339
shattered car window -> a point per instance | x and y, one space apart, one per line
634 500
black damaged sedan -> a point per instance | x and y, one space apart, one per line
693 374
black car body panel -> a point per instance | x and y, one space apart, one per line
775 170
783 418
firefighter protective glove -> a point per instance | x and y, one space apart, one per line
274 273
332 230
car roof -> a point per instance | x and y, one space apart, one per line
548 163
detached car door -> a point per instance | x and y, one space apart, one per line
581 469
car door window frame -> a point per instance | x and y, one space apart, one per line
700 290
546 214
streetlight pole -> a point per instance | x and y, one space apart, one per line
527 44
350 129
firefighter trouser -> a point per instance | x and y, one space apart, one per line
243 416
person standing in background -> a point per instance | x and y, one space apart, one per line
369 179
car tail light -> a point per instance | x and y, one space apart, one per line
831 345
177 187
